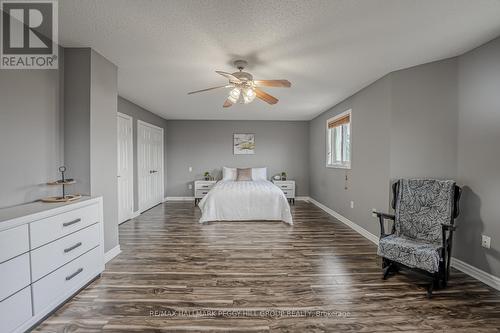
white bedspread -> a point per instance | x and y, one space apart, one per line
243 201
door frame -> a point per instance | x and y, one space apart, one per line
131 164
162 176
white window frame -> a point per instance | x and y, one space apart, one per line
341 165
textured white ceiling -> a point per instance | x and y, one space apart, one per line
327 49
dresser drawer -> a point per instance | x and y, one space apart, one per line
54 227
289 193
204 185
14 275
49 257
286 186
14 242
15 310
66 279
200 193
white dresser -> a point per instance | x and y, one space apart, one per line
288 188
201 188
48 252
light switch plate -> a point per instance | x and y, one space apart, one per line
190 169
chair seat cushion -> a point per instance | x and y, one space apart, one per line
410 252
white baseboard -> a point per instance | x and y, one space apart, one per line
470 270
362 231
112 253
303 198
133 216
476 273
179 199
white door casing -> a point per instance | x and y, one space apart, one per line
149 165
125 168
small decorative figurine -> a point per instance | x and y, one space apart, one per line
62 182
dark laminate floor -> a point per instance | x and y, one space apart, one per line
319 268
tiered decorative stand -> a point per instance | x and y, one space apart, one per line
62 182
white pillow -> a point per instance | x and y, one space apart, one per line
228 173
259 173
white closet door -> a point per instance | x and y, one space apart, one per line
150 165
125 168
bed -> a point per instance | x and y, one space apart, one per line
231 200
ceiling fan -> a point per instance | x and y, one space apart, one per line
245 88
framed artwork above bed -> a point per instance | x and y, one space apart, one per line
243 144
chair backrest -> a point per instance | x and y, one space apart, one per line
422 205
456 199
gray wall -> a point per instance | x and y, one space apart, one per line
208 145
77 118
91 93
31 145
437 120
424 121
403 125
138 113
103 142
479 156
368 180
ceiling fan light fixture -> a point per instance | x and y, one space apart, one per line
244 89
248 95
234 95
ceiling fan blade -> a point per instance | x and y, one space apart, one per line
229 76
227 103
273 83
202 90
265 96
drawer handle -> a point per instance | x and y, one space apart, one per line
66 224
205 186
69 277
204 192
284 186
71 248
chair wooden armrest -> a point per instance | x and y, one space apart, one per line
385 216
448 226
447 238
381 218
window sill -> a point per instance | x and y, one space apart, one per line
339 166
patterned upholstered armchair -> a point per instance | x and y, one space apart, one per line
422 232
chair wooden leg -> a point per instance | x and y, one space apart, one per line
388 269
430 289
435 283
448 262
386 272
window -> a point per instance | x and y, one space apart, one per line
338 141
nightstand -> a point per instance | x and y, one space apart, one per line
288 187
201 188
